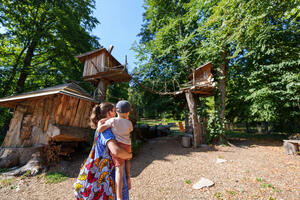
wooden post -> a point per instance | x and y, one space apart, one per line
194 81
196 128
101 93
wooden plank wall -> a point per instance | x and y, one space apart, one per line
39 113
59 109
73 112
99 61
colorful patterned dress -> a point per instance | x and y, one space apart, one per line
95 180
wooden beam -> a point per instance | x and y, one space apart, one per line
62 133
95 66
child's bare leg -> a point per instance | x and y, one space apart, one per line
119 181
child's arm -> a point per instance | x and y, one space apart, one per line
102 126
127 170
118 151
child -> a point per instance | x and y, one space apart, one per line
121 127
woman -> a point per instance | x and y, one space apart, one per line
95 180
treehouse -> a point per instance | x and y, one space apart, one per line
200 84
60 113
102 69
100 64
200 81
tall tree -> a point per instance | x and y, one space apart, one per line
40 41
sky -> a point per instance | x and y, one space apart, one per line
120 22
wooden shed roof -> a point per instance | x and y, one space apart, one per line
70 89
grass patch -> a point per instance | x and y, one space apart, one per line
6 182
231 192
55 177
26 174
267 185
274 136
272 198
152 122
259 179
218 195
188 181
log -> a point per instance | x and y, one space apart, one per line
62 133
11 157
34 165
13 135
291 146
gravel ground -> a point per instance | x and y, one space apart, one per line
256 169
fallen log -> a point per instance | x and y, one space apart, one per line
34 165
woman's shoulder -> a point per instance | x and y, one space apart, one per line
107 135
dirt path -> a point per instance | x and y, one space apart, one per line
164 170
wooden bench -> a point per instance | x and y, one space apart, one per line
291 146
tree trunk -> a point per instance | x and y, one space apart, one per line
193 110
8 83
247 127
222 74
26 67
101 91
266 127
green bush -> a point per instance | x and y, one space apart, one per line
214 126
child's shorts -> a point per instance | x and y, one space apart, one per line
118 161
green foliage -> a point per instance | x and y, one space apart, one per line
2 170
214 126
26 174
39 43
117 91
55 177
7 182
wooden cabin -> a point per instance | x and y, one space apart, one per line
200 81
60 113
100 64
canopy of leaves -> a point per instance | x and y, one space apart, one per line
261 40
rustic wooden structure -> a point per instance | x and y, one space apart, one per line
59 113
200 85
102 69
200 81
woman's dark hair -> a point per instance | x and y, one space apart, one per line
99 112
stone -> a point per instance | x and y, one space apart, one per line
203 182
219 160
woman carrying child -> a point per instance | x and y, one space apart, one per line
95 179
121 127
